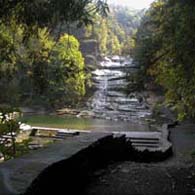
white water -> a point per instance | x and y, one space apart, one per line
111 101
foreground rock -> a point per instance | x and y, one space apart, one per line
17 174
175 176
66 167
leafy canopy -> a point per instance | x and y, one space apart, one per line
49 12
165 49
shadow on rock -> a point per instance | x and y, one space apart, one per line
72 175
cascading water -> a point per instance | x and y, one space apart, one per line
111 100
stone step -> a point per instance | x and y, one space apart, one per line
140 134
155 145
144 141
63 134
151 141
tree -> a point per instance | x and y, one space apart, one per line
41 70
29 46
103 36
128 47
66 71
114 33
49 12
114 45
171 52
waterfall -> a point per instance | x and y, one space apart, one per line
111 101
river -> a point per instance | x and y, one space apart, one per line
111 100
111 107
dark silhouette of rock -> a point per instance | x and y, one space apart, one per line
72 175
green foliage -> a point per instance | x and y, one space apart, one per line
9 130
49 12
115 33
165 50
41 70
37 65
114 45
102 35
67 71
9 126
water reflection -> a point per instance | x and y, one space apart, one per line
72 122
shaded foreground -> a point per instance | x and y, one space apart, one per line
103 164
175 176
68 167
76 172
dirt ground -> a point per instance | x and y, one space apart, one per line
175 176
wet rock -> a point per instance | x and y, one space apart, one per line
110 101
86 114
67 111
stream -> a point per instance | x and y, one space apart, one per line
111 101
111 107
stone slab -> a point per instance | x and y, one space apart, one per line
17 174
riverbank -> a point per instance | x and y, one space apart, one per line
176 175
